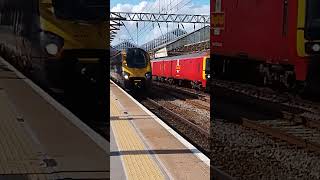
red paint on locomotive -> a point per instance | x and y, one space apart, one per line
271 31
187 68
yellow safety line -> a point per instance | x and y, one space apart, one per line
137 165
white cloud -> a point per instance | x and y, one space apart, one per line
129 7
151 30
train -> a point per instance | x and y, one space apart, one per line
131 68
191 69
48 40
62 46
273 42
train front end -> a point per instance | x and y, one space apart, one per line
206 75
73 37
136 69
308 45
308 35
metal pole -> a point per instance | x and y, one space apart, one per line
137 34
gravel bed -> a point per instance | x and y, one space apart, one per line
198 116
247 154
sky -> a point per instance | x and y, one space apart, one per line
149 31
115 2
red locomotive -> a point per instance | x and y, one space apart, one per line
279 40
192 68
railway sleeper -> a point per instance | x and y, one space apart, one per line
277 133
196 85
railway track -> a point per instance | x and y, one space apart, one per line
183 90
244 153
217 174
191 131
169 106
294 131
193 99
296 125
300 124
267 130
285 99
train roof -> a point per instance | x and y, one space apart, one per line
183 56
133 48
126 50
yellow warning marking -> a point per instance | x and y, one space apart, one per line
217 19
17 154
138 163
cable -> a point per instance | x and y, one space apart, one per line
149 23
127 30
143 30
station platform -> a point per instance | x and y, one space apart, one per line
40 139
144 147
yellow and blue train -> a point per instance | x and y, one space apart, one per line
131 68
62 45
54 38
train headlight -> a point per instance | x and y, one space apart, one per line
52 49
316 47
51 42
126 75
148 75
208 76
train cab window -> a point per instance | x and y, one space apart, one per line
313 20
118 69
217 6
119 59
116 60
207 68
136 58
285 18
84 10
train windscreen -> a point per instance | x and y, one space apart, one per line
313 20
83 10
208 65
136 58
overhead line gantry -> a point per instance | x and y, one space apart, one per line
117 19
159 17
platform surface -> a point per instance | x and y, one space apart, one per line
40 139
142 148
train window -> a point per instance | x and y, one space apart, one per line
136 58
285 18
207 68
118 59
313 20
217 6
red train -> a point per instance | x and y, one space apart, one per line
193 69
277 39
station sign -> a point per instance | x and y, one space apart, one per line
161 53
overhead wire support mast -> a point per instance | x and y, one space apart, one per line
159 17
115 23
